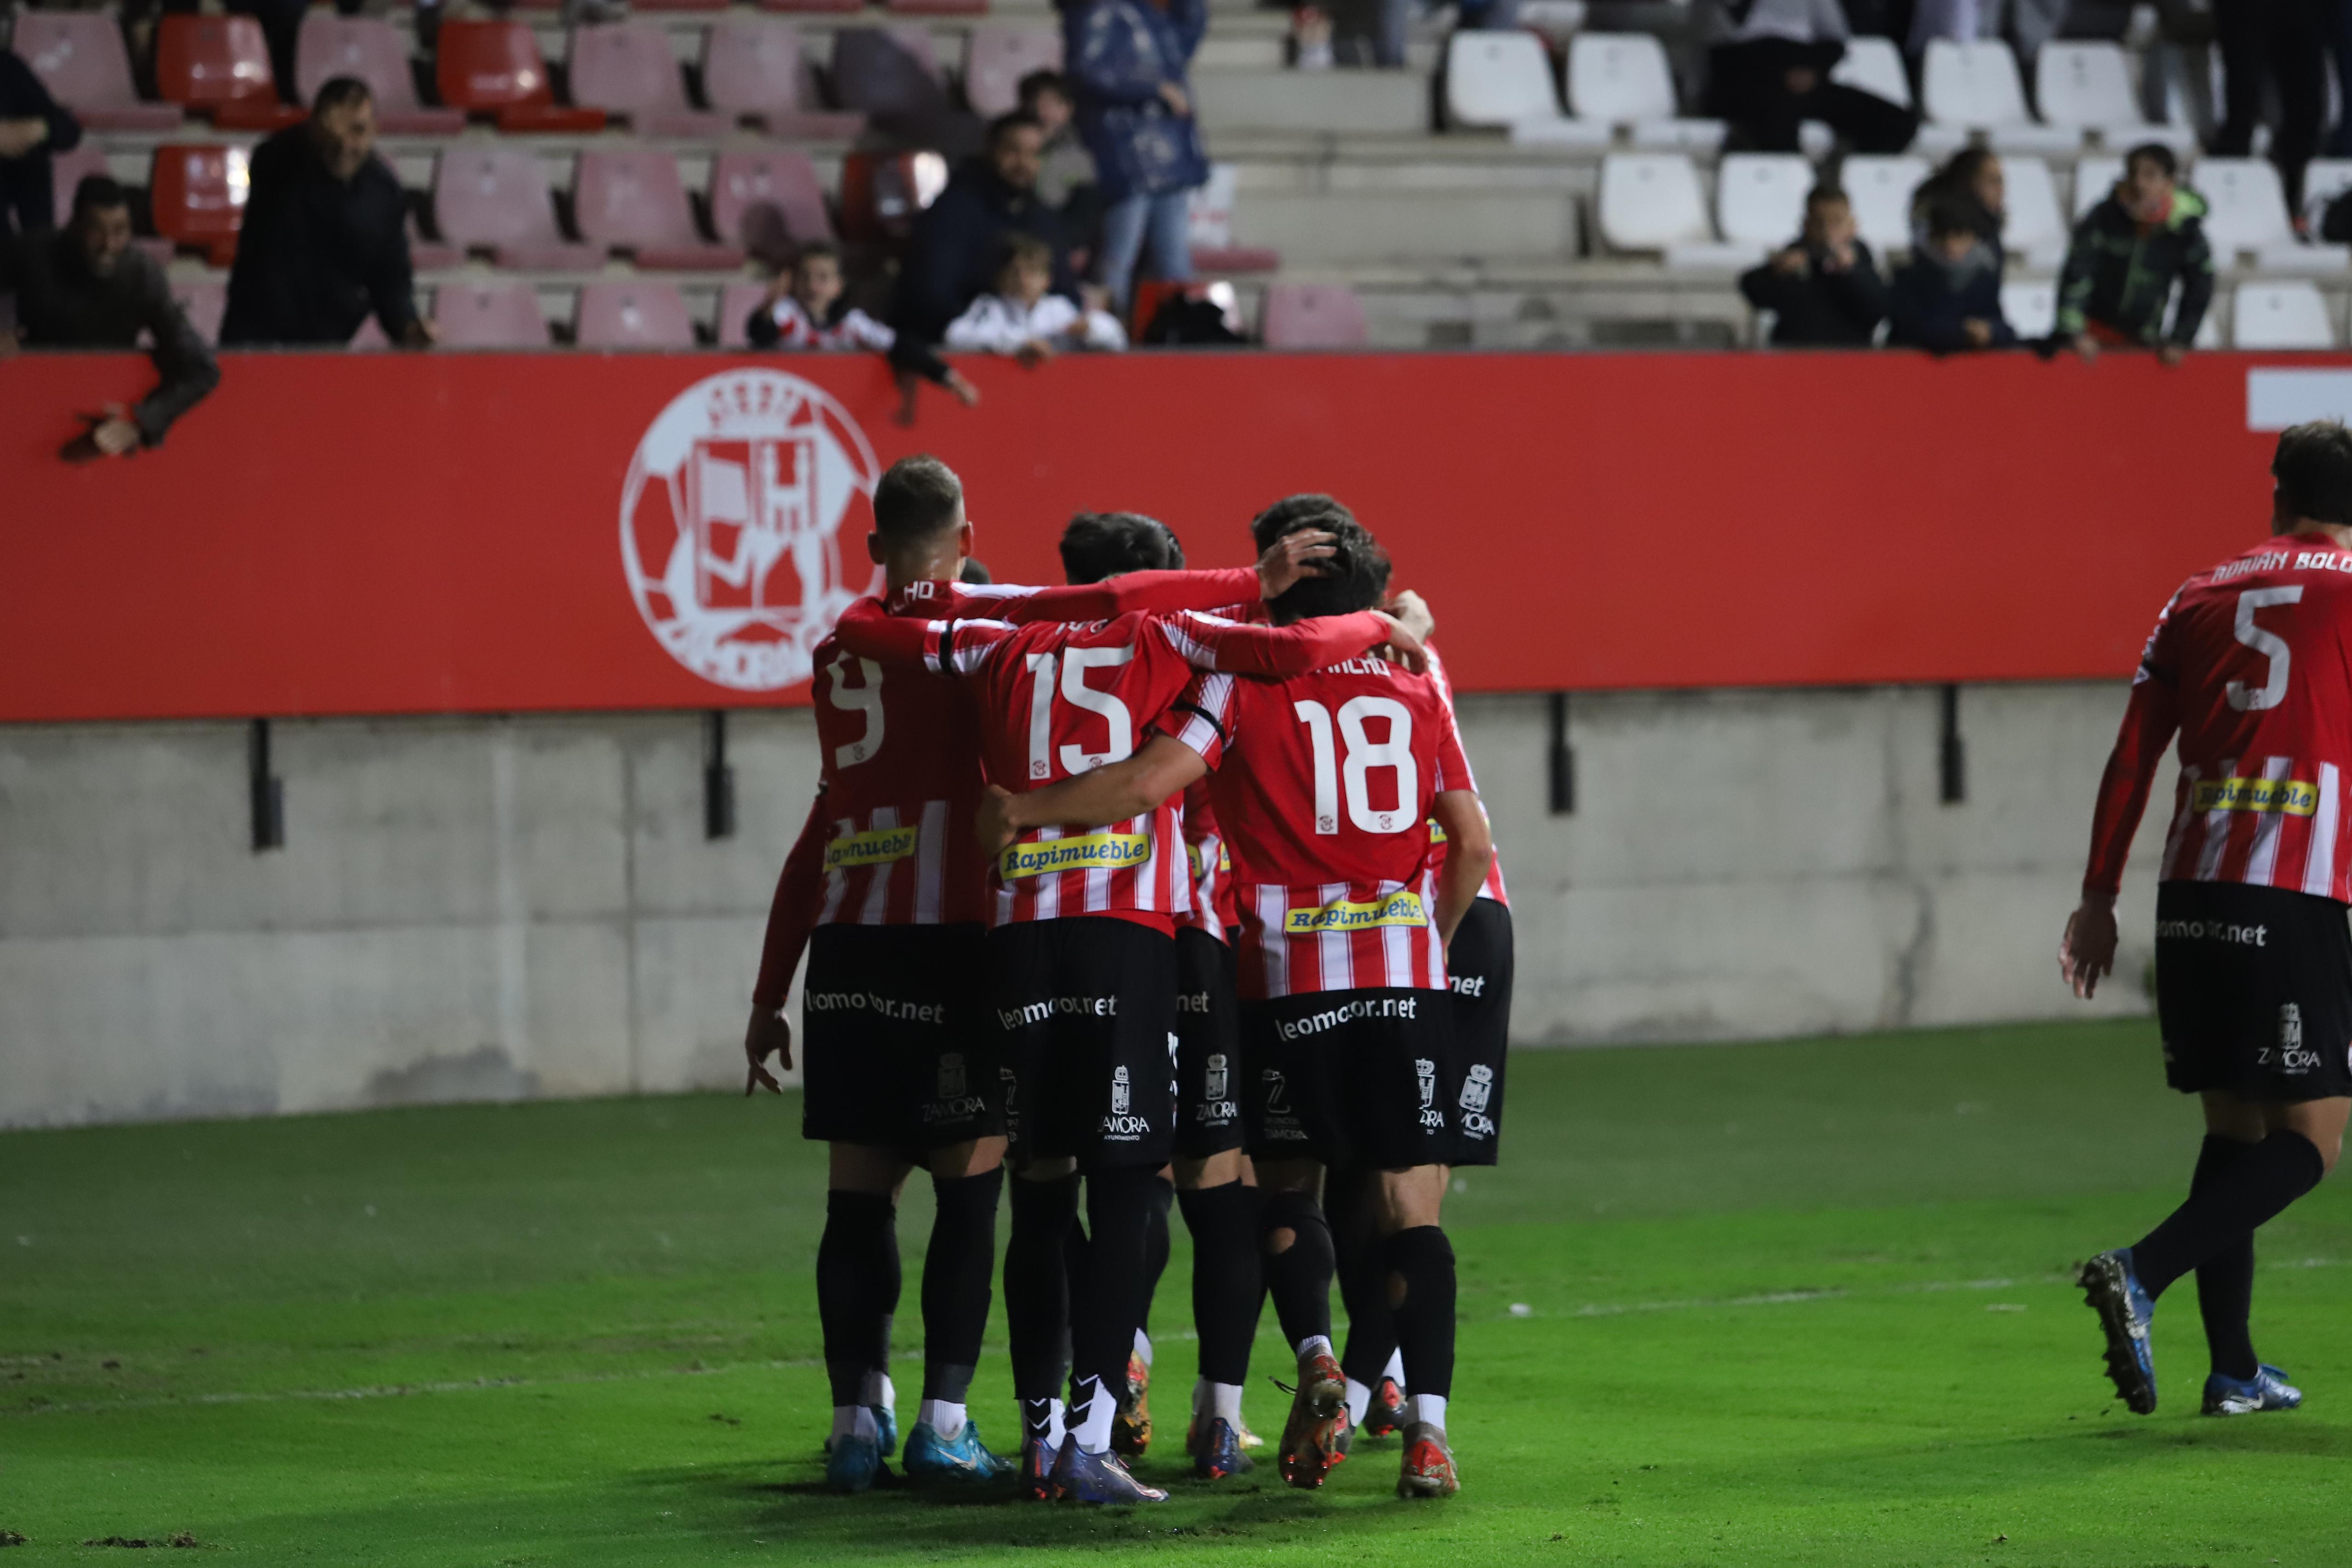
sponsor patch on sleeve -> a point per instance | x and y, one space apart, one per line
1400 908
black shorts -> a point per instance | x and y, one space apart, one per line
1362 1078
1208 1047
893 1050
2253 991
1086 1009
1478 973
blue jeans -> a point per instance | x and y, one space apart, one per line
1127 224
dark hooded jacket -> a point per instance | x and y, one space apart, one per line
957 248
2121 278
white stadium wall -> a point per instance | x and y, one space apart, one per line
501 908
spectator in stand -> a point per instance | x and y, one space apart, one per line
86 287
1769 69
1024 319
1824 290
1127 59
1948 298
1970 184
325 238
1065 171
33 125
953 259
2274 48
2128 253
806 308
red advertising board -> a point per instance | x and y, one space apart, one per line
384 533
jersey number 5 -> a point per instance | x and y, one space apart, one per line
1074 664
2270 645
1363 756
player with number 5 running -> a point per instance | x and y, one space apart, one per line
2252 665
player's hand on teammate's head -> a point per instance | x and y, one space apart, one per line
1403 647
2087 951
993 828
770 1033
1412 611
1290 557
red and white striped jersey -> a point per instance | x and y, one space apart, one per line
1327 814
888 839
2252 664
1493 886
1211 908
1058 699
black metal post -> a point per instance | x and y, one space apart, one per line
1955 750
267 792
1562 759
718 779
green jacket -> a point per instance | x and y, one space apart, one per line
2116 276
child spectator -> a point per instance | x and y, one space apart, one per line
1023 320
805 309
2128 254
1824 290
1948 298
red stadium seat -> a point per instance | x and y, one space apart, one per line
365 46
68 170
995 59
767 203
220 65
197 194
626 68
79 58
495 198
494 67
815 8
429 254
882 194
634 201
632 313
888 71
1227 259
936 7
1313 315
488 316
205 303
735 303
752 70
679 5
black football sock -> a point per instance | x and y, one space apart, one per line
2236 1203
856 1289
1363 1276
2225 1281
1298 1274
1225 1276
1155 1247
1037 1283
1104 1305
956 1267
1421 1294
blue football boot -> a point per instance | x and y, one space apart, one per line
886 1425
1081 1477
2125 1311
932 1458
2267 1389
1217 1451
853 1463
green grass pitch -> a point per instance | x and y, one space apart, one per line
1796 1304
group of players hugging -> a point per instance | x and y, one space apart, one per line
1162 881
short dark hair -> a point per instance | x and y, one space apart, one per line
2155 153
2314 470
1355 575
98 193
1036 82
1097 545
339 91
1283 517
974 571
1004 125
1949 214
916 499
816 250
1824 193
1020 249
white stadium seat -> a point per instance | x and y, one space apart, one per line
2281 316
1974 85
2324 180
1498 78
2095 180
2032 307
2245 206
1759 197
1650 201
1874 66
1622 79
1881 190
2032 226
2089 85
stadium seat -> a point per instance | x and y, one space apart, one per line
488 315
766 203
2245 206
2324 180
1881 188
1209 224
626 69
1622 78
735 303
2088 86
2290 315
196 193
2033 225
1759 197
752 70
220 66
677 5
68 170
1873 65
632 313
996 58
1650 201
491 197
1313 315
495 69
882 194
2095 181
936 7
887 72
1974 87
79 58
1498 78
2032 307
366 46
634 201
815 8
206 303
431 254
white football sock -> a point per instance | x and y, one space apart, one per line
1394 1370
1094 1424
1056 1426
1143 1347
942 1417
1226 1401
878 1391
1313 1345
853 1421
1360 1399
1429 1407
